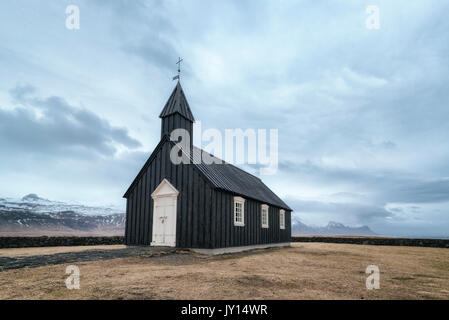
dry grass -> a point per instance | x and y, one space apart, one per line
305 271
26 252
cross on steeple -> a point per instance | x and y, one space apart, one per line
179 68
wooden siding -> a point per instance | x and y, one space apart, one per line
205 217
191 215
176 121
228 235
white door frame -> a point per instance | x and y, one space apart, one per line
163 194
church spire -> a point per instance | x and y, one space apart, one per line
177 103
177 114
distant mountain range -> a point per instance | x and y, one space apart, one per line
332 229
33 215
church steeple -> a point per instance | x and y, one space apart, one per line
176 113
177 103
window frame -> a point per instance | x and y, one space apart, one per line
282 219
267 208
242 202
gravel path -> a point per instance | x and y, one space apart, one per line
88 255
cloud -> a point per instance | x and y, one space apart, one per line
154 50
422 191
150 31
362 114
52 147
52 125
359 213
20 91
383 185
393 202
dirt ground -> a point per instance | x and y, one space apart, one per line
304 271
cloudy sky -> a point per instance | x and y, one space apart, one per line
362 114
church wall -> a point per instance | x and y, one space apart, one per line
225 234
194 200
204 215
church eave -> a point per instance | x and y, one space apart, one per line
190 118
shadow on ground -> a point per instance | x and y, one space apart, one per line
7 263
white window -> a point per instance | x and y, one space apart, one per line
239 211
282 219
264 216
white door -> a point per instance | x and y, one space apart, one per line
164 215
164 222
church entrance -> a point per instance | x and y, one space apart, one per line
164 215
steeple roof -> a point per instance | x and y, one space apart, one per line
177 103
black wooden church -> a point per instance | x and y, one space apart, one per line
198 205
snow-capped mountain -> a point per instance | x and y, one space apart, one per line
332 228
32 214
34 203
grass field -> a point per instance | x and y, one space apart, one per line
304 271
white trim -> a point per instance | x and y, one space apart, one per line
240 249
242 202
262 208
157 192
164 193
282 219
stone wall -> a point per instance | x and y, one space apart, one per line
436 243
22 242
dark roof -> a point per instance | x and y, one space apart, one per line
177 103
224 176
230 178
